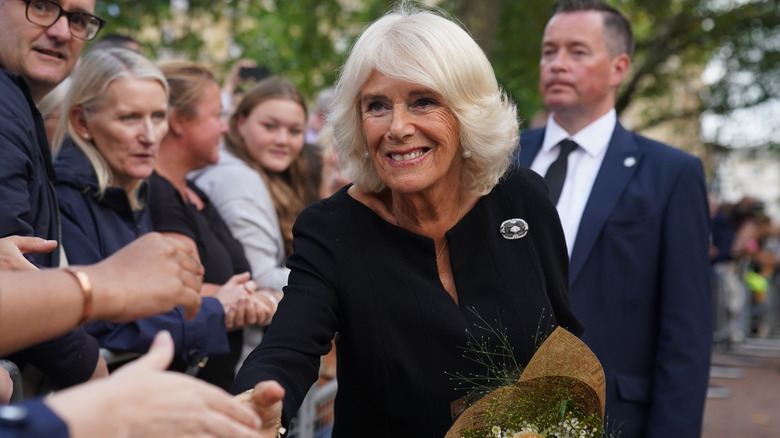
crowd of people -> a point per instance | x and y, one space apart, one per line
745 253
170 239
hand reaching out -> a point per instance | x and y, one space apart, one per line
151 275
141 399
13 248
266 400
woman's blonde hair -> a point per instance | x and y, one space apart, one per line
187 81
424 47
53 100
288 189
91 79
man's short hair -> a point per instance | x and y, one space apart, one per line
617 29
113 40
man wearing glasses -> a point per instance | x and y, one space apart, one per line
40 43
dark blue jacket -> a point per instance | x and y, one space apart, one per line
639 282
28 207
93 228
32 419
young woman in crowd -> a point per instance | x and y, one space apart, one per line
259 184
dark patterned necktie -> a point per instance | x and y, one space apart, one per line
556 173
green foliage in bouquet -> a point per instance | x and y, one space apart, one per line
542 408
502 368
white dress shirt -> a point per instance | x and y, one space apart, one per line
583 167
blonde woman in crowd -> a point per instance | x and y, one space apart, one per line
115 116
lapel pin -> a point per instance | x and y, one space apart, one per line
512 229
629 162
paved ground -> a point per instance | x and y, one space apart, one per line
744 396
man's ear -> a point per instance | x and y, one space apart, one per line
620 66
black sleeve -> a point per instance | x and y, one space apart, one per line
69 359
168 210
222 232
306 320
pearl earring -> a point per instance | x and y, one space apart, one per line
85 135
466 154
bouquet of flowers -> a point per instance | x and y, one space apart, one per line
560 394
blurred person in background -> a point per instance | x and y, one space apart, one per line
116 40
317 119
260 183
181 209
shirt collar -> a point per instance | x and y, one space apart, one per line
593 139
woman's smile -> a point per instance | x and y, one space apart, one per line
410 157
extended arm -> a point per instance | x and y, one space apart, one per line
151 275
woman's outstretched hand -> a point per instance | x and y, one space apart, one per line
266 400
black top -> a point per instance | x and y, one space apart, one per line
221 255
401 335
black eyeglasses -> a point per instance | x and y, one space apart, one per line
45 13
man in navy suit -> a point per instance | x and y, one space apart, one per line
635 216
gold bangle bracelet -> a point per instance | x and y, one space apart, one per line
86 290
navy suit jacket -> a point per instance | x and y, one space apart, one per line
639 282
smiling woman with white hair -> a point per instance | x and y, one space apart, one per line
437 235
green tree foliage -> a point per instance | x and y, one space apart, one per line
303 40
306 40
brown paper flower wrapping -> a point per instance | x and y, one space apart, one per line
563 368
